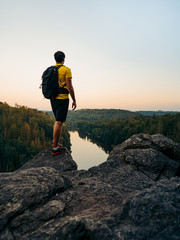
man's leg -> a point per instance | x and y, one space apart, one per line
57 132
60 109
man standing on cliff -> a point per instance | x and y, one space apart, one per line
61 103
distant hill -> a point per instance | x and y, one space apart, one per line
109 114
94 115
156 113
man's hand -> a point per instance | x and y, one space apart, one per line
71 91
74 105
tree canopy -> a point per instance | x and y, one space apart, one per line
114 129
23 133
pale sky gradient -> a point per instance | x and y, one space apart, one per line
123 54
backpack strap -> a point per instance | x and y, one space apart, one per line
59 66
65 82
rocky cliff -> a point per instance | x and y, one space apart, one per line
134 195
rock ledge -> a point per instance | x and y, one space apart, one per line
135 194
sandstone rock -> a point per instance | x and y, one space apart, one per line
135 194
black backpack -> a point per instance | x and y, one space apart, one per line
50 86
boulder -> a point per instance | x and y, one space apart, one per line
135 194
61 163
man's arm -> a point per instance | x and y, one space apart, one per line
71 91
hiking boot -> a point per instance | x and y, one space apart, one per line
59 151
59 145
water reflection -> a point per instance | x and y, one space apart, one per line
104 147
84 152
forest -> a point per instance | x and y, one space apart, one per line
23 133
156 113
116 130
95 115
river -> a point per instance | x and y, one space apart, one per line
85 153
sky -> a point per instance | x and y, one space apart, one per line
123 54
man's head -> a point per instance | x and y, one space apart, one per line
59 56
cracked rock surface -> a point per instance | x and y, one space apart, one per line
135 194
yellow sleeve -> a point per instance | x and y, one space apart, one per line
68 73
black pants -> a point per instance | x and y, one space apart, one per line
60 109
